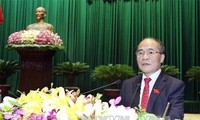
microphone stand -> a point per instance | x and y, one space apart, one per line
133 97
116 82
166 109
165 112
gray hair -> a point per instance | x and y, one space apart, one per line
162 47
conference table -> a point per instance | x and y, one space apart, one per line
192 110
190 116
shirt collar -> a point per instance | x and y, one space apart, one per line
154 76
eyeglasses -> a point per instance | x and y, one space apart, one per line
151 52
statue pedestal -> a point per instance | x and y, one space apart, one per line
36 69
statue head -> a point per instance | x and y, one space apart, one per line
40 13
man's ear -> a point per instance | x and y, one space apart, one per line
162 58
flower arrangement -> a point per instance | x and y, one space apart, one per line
34 38
60 104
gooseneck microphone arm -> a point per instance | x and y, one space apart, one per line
166 109
116 82
138 85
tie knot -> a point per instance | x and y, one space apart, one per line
147 80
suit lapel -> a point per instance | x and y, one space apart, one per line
158 86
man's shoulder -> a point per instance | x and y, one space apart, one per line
173 80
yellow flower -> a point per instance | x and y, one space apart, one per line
1 116
55 102
79 105
33 107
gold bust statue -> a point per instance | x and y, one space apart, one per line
40 14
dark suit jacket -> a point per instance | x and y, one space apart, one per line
166 89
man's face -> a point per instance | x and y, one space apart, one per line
148 55
40 14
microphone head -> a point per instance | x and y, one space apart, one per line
118 82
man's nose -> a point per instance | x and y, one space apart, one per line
146 55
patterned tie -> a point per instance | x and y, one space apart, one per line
145 95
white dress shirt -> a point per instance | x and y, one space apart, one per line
153 77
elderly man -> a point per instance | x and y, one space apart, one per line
154 90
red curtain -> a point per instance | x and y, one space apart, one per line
1 15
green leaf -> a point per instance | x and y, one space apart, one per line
111 73
69 68
8 68
170 70
193 73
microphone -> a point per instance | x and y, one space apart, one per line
166 110
138 85
116 82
